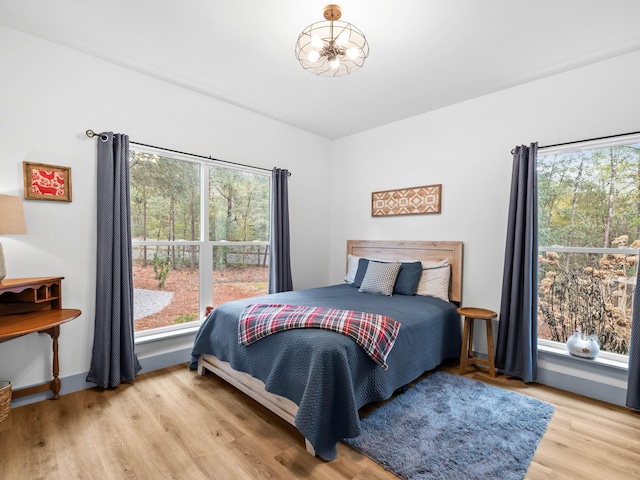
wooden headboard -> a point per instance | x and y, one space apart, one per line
415 250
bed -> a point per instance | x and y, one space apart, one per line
316 379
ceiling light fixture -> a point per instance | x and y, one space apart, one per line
332 48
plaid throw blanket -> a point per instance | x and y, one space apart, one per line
375 333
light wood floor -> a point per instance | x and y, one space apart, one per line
174 424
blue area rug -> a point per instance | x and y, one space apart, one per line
451 427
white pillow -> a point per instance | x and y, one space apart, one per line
435 279
352 268
380 278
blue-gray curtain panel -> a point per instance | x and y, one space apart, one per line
633 382
517 349
280 261
113 359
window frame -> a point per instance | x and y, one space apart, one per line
558 348
205 246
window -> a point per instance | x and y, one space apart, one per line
200 237
589 235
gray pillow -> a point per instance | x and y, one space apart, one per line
380 278
408 276
363 263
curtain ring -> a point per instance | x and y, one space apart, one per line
103 136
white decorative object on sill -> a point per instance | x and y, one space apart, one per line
581 347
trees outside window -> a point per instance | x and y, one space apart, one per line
200 237
589 236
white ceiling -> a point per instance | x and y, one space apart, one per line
424 54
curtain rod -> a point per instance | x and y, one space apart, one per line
590 139
91 134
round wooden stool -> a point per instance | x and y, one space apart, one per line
466 356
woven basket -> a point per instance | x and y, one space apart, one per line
5 399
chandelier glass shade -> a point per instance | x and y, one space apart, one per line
332 48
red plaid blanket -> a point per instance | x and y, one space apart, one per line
375 333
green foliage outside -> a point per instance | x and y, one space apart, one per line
165 206
238 205
161 267
186 318
165 197
590 199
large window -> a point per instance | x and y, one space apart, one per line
589 235
200 237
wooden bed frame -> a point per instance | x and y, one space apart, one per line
378 249
415 250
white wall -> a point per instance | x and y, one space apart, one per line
49 96
467 148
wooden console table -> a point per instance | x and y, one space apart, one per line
29 305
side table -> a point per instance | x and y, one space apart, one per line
466 356
29 305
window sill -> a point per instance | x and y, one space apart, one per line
165 335
603 360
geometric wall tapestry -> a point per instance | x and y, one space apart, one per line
407 201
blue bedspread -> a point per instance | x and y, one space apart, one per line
325 373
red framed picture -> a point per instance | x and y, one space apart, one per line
47 182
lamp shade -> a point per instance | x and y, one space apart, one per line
11 215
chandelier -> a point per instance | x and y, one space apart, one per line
332 48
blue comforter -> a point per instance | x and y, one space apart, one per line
325 373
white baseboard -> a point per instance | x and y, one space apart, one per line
588 378
77 382
591 378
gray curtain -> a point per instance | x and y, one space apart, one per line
633 383
280 261
517 350
113 360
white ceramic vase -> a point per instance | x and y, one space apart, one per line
581 347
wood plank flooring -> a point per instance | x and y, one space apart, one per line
175 424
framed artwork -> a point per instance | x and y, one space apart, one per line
46 182
407 201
